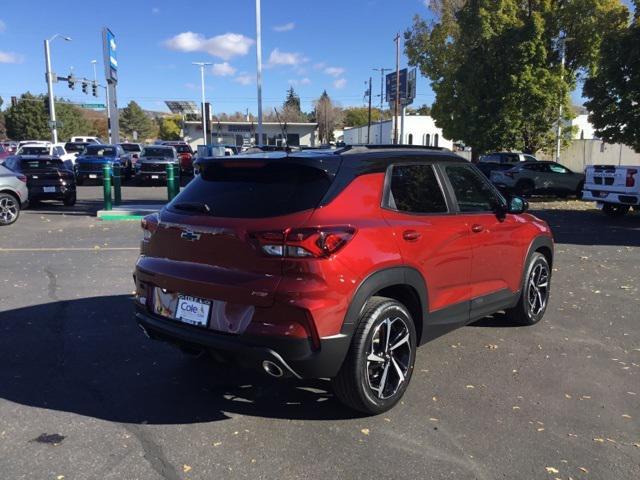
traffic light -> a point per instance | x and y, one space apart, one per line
94 89
85 87
71 82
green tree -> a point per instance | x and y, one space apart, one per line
359 116
170 128
613 92
291 108
495 67
28 119
3 128
72 121
134 119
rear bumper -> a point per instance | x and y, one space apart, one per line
295 356
619 198
36 193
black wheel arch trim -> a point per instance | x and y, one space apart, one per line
541 241
376 281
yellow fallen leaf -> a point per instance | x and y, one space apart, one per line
60 477
515 407
566 395
217 444
365 431
624 415
540 429
551 470
186 468
637 445
470 386
599 440
582 469
433 419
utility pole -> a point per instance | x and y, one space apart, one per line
259 69
397 99
381 70
563 41
369 122
204 109
49 76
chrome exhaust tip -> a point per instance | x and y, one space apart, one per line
272 369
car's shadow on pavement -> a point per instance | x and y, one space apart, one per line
88 357
591 227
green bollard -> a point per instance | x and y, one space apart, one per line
117 184
171 182
106 186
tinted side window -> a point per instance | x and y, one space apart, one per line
415 189
473 192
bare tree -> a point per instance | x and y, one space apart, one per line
328 116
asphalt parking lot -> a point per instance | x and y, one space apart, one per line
84 395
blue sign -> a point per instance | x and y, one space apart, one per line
112 49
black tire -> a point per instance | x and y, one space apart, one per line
9 209
579 190
534 296
69 200
79 180
355 383
525 188
615 211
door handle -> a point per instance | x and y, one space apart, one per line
411 235
477 228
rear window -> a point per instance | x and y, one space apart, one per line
40 164
131 147
259 189
100 151
157 152
74 147
34 151
183 148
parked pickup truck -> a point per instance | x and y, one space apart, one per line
615 188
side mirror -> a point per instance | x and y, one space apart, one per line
518 205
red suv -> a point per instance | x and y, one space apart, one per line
337 263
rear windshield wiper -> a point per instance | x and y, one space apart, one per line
193 207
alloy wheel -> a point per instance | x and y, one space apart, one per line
8 210
388 357
538 289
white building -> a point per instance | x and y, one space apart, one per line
246 133
584 130
418 130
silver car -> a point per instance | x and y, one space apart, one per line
14 195
529 178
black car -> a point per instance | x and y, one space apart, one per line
152 165
47 177
487 167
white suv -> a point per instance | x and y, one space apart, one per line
51 149
14 195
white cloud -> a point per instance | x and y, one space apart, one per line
340 83
224 46
285 28
244 79
278 58
305 81
155 10
222 69
334 71
3 26
9 57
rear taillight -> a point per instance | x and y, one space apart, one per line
22 178
316 242
149 225
631 181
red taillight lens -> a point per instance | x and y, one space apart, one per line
631 181
316 242
149 225
22 178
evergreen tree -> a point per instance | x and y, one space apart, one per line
28 119
134 119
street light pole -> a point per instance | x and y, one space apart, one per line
563 41
204 110
259 69
49 76
381 70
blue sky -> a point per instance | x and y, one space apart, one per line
312 45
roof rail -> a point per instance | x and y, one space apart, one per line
388 146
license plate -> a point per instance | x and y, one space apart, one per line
93 175
154 176
49 189
184 308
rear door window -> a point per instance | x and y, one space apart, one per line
253 189
415 189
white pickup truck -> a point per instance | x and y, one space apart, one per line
615 188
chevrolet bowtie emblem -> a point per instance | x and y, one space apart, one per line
190 236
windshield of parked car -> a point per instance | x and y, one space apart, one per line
131 147
100 151
158 152
73 147
41 164
183 148
31 150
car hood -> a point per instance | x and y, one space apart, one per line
95 159
157 160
